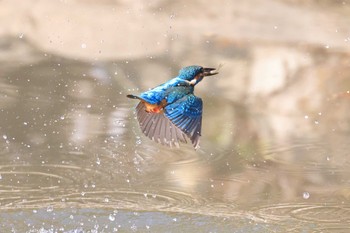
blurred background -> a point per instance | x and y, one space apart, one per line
276 124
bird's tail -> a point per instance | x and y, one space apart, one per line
133 97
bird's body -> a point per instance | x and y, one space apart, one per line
171 112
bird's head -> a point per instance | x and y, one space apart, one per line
195 74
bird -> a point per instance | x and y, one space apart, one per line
170 113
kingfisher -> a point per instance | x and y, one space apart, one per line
170 113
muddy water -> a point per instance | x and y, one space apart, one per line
72 159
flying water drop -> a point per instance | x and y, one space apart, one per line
306 195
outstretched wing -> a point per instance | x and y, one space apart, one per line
186 114
158 127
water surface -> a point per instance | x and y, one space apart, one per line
72 159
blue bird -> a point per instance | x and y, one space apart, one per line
171 112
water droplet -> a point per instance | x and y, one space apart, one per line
306 117
4 136
98 161
83 45
133 227
21 35
306 195
316 122
88 106
328 158
111 217
138 142
62 117
49 209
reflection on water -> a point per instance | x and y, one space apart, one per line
73 158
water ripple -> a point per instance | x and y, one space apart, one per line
318 213
166 200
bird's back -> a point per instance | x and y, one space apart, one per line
157 94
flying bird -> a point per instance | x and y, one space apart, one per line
170 113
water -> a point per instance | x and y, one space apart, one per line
72 159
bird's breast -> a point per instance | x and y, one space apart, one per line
155 108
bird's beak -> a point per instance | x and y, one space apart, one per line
210 71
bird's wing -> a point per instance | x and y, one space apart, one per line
186 114
158 127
